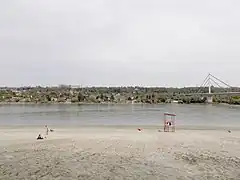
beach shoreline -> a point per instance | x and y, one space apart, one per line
108 103
118 153
152 127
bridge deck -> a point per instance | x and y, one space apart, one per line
207 94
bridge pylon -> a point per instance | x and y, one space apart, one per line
211 81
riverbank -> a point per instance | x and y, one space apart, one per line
118 153
103 103
117 95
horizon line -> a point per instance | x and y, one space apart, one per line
79 86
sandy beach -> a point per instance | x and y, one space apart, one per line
118 153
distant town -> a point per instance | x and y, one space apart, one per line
132 95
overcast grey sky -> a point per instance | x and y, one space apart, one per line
119 42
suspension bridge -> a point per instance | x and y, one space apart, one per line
210 82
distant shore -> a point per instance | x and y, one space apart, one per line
103 103
70 103
110 95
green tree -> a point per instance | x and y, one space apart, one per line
80 97
112 98
74 100
48 98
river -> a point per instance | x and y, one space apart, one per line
187 115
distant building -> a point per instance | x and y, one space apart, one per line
64 86
75 86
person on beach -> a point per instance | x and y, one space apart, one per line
168 124
39 137
47 130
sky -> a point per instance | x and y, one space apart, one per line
119 42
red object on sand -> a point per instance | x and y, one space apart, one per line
139 129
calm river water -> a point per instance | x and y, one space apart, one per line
187 115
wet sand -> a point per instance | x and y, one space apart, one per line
118 153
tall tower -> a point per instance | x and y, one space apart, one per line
209 97
209 81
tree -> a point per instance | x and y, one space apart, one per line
102 96
112 98
92 98
162 99
48 98
80 97
74 100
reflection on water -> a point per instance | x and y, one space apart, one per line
212 115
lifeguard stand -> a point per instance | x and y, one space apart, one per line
169 122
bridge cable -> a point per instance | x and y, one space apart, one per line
205 80
218 84
204 86
220 81
228 89
204 83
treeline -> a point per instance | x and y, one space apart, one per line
153 95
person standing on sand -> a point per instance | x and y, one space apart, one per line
47 130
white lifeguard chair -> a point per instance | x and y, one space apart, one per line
169 122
